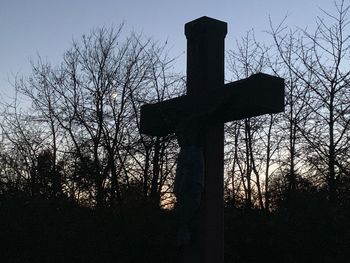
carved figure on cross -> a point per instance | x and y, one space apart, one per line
189 178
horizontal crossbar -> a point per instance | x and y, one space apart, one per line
257 95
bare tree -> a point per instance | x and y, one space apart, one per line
89 110
319 61
253 141
22 142
156 155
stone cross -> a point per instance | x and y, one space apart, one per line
216 103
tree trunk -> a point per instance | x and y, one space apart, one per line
115 188
248 165
331 159
156 169
146 174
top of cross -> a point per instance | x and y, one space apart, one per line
205 26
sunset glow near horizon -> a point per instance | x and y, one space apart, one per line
47 28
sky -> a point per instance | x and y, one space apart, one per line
29 28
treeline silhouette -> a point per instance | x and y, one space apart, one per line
78 182
60 231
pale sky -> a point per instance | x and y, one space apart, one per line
47 27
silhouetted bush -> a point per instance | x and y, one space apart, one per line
61 231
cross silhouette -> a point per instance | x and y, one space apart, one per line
212 102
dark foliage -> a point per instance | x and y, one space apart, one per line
308 229
59 231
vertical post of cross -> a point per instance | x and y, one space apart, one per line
205 71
